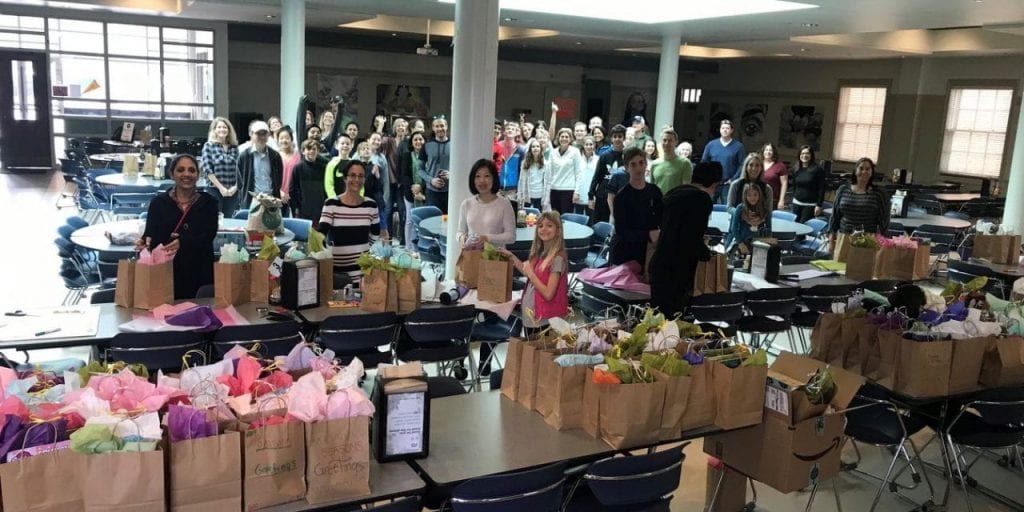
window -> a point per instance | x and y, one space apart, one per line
690 96
859 125
975 134
133 40
22 32
76 36
23 82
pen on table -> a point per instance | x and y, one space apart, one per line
50 331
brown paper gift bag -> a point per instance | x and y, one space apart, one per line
739 395
510 376
861 263
337 459
325 276
126 481
529 373
904 264
154 285
409 290
1002 249
677 393
467 269
205 474
721 273
827 331
630 414
48 482
260 281
842 248
380 291
700 401
274 461
888 348
231 284
1003 364
124 294
849 330
699 276
495 281
592 393
923 368
965 368
560 393
867 339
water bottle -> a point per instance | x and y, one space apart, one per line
454 295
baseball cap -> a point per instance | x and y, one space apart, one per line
259 126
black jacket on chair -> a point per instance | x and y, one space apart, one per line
246 178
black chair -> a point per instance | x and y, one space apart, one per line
873 418
403 505
597 256
490 330
102 296
535 490
599 304
440 387
785 239
155 350
721 309
818 299
896 229
962 272
439 335
994 419
883 287
205 291
268 340
770 311
943 240
631 483
361 336
928 203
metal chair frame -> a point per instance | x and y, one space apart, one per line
956 453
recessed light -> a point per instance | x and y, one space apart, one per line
270 16
578 43
809 25
508 19
803 49
676 11
394 34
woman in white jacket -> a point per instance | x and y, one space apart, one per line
565 164
589 158
534 179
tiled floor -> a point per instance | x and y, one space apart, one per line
29 278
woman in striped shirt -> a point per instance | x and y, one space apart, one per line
350 221
859 206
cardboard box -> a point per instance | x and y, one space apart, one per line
785 457
785 398
732 496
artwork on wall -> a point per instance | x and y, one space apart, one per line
329 86
800 125
748 123
403 100
636 105
718 112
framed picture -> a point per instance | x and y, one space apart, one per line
402 100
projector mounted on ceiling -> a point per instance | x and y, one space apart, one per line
426 49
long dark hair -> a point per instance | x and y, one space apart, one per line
799 165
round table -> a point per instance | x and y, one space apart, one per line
570 230
93 237
914 220
721 220
120 180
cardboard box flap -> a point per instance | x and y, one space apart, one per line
789 368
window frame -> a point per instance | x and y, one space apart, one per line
852 83
1011 127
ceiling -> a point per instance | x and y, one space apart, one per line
844 29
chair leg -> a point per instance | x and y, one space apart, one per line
835 492
924 471
810 501
959 473
885 479
710 506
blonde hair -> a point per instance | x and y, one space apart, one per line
232 138
546 252
753 157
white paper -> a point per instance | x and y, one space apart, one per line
59 322
405 423
776 400
804 275
307 283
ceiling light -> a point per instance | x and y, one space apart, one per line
809 25
509 19
578 43
270 16
667 12
803 49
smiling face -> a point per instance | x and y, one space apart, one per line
535 148
355 178
275 124
564 139
579 130
374 141
805 156
527 130
864 173
768 153
344 145
685 150
417 141
651 149
364 151
313 133
326 121
483 181
221 131
185 174
618 140
547 230
440 128
284 141
588 147
352 130
668 144
594 121
310 154
754 169
401 128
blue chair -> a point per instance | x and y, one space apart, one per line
641 482
597 257
532 210
76 222
784 215
361 336
426 245
269 340
298 226
438 335
578 218
65 231
957 215
155 350
241 214
816 225
719 208
536 490
131 204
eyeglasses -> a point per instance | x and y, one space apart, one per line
356 176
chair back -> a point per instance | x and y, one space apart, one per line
962 272
784 215
713 235
718 307
403 505
102 296
578 218
819 298
434 325
773 301
595 306
530 210
816 225
536 490
896 229
298 226
1001 407
242 214
719 207
154 350
636 480
269 340
130 203
884 287
353 335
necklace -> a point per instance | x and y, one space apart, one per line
183 203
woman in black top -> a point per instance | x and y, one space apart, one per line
184 220
307 187
808 182
637 211
859 206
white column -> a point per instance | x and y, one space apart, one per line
474 81
293 59
668 74
1013 213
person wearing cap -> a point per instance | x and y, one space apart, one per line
260 168
680 245
640 136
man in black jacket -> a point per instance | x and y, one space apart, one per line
260 168
681 242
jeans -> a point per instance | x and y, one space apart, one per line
228 205
721 194
803 213
410 230
561 201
